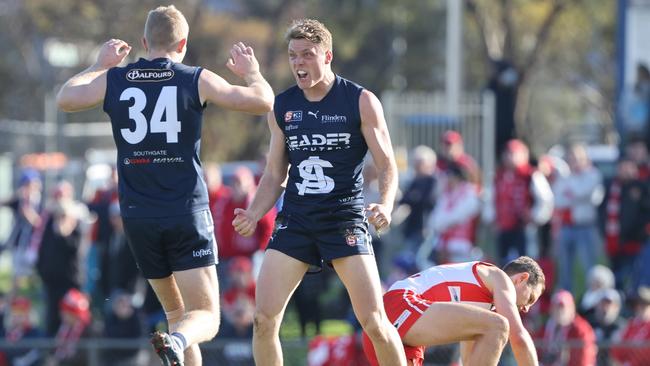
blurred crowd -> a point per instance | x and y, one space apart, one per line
73 275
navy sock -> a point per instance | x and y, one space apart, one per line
180 340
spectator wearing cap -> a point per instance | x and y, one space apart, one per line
419 197
567 338
577 196
21 327
599 277
26 207
75 315
452 150
238 303
632 342
452 220
19 322
522 198
606 320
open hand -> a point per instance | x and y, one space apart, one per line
242 61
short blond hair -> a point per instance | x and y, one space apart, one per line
311 30
165 27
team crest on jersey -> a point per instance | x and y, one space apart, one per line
293 116
354 237
149 75
351 240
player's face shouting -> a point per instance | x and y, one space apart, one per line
307 61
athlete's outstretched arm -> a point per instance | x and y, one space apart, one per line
505 301
375 132
271 184
87 89
256 97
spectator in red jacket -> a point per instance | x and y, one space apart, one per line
218 194
230 243
567 338
452 150
633 350
522 196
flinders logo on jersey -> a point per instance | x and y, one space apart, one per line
293 116
333 118
149 75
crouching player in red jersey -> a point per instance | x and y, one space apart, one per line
474 303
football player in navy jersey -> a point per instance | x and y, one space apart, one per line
321 130
156 105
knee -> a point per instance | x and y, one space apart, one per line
499 328
265 323
375 325
212 315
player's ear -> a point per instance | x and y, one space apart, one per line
181 44
329 56
144 44
524 276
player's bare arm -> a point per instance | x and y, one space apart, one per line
87 89
270 187
255 98
505 302
375 132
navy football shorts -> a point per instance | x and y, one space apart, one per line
320 239
164 245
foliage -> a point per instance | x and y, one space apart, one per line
382 44
564 52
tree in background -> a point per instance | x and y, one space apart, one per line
563 45
562 49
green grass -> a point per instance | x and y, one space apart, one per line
5 271
295 348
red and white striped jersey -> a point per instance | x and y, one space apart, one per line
458 282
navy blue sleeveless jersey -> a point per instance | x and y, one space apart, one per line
325 147
156 116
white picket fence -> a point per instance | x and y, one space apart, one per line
417 118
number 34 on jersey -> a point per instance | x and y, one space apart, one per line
166 104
